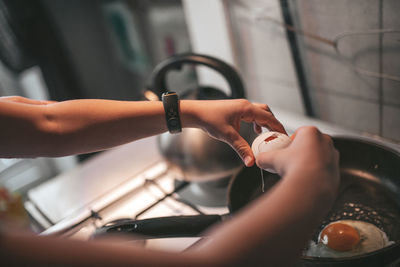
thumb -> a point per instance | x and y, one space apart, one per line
268 160
242 148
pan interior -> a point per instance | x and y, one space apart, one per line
365 200
358 199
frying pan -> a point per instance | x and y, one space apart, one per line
369 191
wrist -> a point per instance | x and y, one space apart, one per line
323 181
172 111
189 113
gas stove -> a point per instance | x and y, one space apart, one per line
155 192
134 182
159 194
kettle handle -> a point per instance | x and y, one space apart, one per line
158 76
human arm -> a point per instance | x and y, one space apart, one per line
275 228
44 128
272 230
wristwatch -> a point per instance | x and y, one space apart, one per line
171 107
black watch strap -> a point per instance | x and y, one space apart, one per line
171 107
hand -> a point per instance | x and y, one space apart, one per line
311 152
221 120
274 228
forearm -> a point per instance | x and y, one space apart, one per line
19 249
33 128
274 228
81 126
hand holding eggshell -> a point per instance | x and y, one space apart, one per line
269 141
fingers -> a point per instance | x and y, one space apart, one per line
310 136
262 106
314 133
267 160
262 115
242 148
328 139
257 128
310 149
306 131
293 136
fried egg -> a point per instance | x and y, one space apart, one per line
347 238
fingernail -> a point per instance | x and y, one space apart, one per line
247 160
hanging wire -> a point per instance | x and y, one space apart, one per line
259 15
361 70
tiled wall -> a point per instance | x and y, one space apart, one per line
340 94
264 56
391 65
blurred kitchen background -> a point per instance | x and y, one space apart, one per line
338 61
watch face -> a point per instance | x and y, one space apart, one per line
171 106
173 122
172 114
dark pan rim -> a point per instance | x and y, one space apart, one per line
353 258
368 141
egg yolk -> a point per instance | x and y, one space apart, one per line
340 237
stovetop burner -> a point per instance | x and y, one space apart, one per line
209 194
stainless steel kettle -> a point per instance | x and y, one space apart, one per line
193 153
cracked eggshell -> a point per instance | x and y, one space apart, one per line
269 141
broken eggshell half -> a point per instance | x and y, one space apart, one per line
269 141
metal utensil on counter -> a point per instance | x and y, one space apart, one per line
193 153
